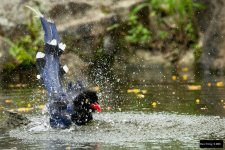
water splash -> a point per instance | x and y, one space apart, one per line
124 128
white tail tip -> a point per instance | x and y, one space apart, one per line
53 42
62 46
65 68
40 55
39 76
37 12
50 20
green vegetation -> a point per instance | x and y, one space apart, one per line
24 48
137 33
180 13
172 23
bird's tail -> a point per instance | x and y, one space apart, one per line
48 62
51 72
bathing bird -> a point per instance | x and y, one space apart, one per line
66 105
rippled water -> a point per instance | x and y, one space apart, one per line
155 108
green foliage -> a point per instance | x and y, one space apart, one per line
163 35
23 50
181 12
197 51
171 19
137 33
112 27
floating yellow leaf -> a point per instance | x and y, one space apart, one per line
41 106
28 105
141 96
174 77
154 104
24 109
194 87
185 69
96 88
204 108
29 109
221 100
21 109
144 91
197 101
133 91
8 101
219 84
17 85
184 77
11 110
209 84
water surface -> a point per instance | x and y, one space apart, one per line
150 108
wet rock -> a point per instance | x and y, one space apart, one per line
13 120
211 23
4 55
86 34
71 9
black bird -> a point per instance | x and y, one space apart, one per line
73 104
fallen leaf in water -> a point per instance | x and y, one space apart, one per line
28 105
185 69
96 88
184 77
144 91
11 110
174 77
204 108
141 96
41 106
17 85
8 101
219 84
133 91
194 87
21 109
197 101
154 104
209 84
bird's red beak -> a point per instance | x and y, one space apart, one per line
96 106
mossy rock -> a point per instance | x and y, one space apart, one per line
12 120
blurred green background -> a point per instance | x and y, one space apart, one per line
105 34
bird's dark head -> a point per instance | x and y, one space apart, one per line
84 104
